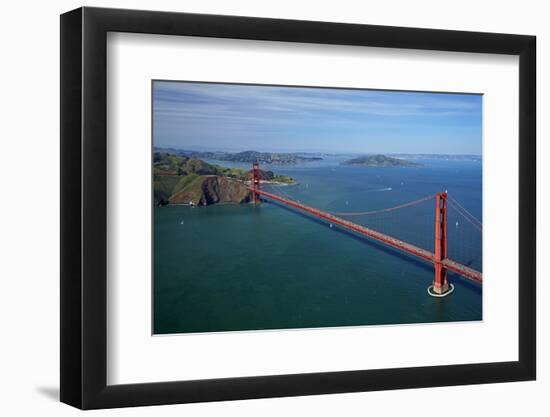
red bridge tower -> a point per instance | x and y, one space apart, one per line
255 182
440 285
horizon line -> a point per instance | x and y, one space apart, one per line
208 149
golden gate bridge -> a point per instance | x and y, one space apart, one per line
439 256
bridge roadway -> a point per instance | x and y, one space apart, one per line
423 254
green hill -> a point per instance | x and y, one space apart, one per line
185 180
379 161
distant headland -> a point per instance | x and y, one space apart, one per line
276 158
379 161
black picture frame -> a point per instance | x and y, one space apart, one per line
84 207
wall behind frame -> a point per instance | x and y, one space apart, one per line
29 219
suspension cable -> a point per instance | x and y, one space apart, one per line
465 211
472 222
275 189
366 213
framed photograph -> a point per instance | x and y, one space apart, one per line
258 208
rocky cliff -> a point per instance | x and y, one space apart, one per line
211 189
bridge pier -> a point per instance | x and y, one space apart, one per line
440 286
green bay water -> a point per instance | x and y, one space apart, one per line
240 267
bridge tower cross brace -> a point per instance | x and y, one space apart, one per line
440 284
255 182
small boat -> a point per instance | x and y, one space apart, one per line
182 222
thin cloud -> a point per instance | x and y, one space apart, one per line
215 109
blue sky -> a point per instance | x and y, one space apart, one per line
293 119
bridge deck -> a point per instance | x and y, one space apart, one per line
423 254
